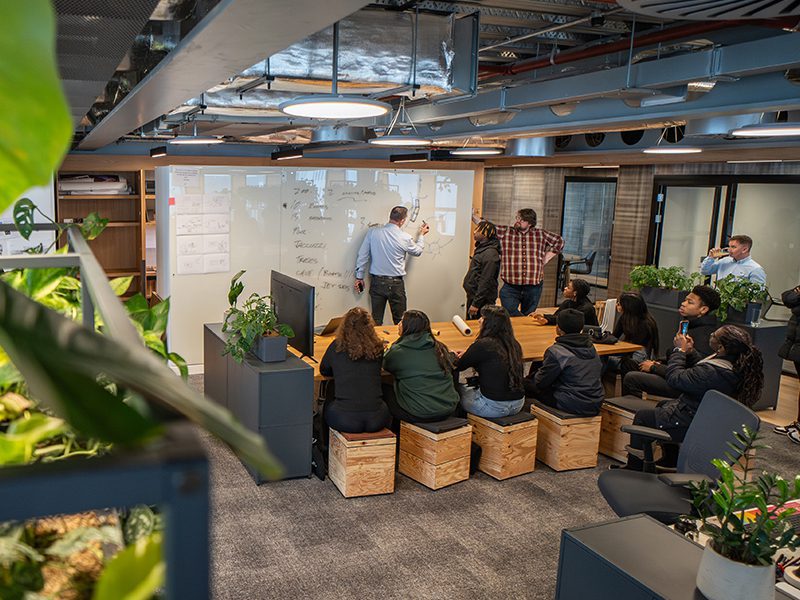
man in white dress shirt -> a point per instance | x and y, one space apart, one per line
386 249
736 261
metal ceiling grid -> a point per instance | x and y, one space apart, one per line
93 37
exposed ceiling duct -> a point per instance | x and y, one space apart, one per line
532 146
720 126
377 55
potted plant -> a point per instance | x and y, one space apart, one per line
254 327
746 522
662 286
740 299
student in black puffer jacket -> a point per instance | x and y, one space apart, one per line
576 295
480 282
736 369
569 377
790 350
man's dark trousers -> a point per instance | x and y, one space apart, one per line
383 289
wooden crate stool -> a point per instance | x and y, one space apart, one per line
362 464
435 454
565 441
508 444
616 412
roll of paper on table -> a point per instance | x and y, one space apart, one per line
461 325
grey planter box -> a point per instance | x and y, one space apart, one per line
751 314
656 296
270 348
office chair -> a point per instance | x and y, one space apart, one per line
573 267
665 497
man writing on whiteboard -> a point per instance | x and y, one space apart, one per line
386 249
525 252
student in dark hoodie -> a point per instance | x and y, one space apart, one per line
576 295
734 368
422 369
480 282
698 308
569 377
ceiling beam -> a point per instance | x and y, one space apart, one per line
740 60
235 35
769 92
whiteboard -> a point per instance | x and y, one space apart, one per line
307 223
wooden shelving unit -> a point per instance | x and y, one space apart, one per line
120 248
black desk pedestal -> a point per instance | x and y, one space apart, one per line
272 399
636 558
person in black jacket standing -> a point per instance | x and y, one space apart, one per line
569 377
698 308
576 295
480 282
735 368
790 350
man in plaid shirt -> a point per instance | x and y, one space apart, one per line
525 252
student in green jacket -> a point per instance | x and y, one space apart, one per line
422 369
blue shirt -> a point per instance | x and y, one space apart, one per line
386 248
726 266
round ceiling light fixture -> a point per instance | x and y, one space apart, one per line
768 130
330 106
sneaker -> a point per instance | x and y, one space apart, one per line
794 436
786 429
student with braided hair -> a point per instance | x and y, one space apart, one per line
735 368
480 282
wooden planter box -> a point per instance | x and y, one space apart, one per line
565 442
506 451
435 460
362 464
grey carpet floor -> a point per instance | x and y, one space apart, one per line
477 539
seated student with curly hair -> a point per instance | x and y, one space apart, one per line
497 357
423 373
354 359
736 368
576 295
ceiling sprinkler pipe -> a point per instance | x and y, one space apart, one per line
648 39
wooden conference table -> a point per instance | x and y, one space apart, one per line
533 338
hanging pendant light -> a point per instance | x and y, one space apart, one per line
334 105
671 149
467 150
390 138
195 139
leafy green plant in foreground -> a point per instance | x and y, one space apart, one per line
722 508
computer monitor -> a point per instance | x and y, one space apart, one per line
293 302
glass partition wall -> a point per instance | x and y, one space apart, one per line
587 222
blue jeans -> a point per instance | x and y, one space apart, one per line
476 403
512 296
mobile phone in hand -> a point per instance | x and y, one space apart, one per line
683 328
360 286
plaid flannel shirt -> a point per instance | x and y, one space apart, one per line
522 258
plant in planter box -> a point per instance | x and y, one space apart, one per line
741 295
250 325
642 276
738 559
675 278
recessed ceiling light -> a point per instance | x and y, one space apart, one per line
672 150
768 130
400 140
476 151
406 158
331 106
744 162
